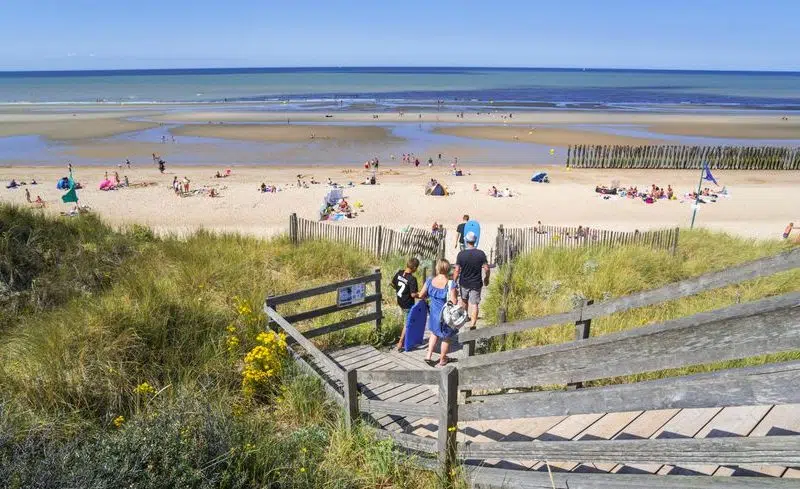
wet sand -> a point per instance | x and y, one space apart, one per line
285 133
740 130
760 205
64 126
542 135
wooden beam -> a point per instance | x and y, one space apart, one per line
767 326
448 419
485 478
330 328
752 386
766 450
331 390
758 268
334 368
324 289
426 377
398 408
304 316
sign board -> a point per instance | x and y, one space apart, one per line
351 294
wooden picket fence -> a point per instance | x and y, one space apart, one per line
512 241
381 241
672 157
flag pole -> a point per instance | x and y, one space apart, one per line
697 197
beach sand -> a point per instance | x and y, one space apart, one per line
64 126
740 130
760 205
285 133
542 135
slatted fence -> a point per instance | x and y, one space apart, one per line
673 157
380 240
512 241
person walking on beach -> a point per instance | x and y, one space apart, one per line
788 230
405 284
460 233
440 289
28 196
128 163
471 274
186 182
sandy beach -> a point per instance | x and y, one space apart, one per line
285 133
542 135
760 204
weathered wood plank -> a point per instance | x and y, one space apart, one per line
739 331
770 450
347 323
312 350
331 390
324 289
398 408
758 268
750 386
303 316
731 421
428 377
483 477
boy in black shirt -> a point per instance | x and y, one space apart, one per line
405 283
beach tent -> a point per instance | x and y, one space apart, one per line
437 189
333 196
540 177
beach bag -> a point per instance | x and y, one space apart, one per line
453 315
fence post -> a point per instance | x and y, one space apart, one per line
448 419
378 301
675 236
350 388
379 251
293 228
582 328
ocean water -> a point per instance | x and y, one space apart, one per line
391 89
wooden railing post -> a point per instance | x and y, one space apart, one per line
675 237
350 388
379 245
448 419
582 330
293 228
378 301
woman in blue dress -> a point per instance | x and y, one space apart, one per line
439 289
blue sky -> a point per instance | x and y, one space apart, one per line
679 34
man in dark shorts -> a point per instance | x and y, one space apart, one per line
460 233
472 273
405 283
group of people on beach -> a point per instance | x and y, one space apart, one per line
450 292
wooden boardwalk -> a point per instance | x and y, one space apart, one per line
770 420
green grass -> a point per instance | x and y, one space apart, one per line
89 313
555 280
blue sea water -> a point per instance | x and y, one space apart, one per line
391 89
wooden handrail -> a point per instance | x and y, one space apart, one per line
335 369
323 289
759 268
770 325
751 386
766 450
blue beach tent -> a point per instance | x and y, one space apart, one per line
540 177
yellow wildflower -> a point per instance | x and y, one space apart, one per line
119 421
302 469
144 389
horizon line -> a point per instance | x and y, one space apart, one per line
417 67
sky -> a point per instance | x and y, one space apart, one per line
675 34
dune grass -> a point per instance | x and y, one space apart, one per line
117 367
555 280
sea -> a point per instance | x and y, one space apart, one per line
414 88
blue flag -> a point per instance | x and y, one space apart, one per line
707 174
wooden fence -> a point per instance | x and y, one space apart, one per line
512 241
684 157
379 240
766 326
